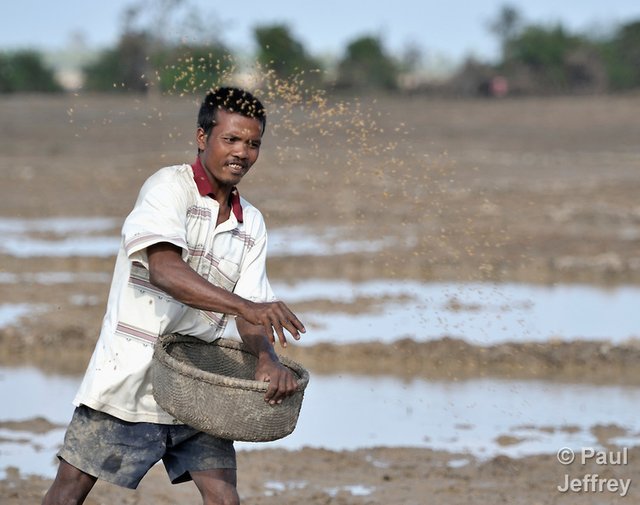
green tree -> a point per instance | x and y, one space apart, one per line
191 68
123 68
25 71
366 65
279 51
149 52
622 57
506 26
554 60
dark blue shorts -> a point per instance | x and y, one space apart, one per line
122 453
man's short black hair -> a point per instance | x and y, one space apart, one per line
229 99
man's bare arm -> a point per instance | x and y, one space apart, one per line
169 272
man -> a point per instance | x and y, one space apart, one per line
193 253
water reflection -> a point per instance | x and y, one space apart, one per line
465 416
11 313
40 395
364 411
62 237
59 237
51 278
481 313
56 225
299 241
95 246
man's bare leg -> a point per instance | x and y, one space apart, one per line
217 487
70 487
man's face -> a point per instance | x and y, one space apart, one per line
231 148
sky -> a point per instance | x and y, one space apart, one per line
452 29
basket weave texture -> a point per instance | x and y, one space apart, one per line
211 387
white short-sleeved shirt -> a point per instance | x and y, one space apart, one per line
170 209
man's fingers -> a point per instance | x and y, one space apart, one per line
279 324
277 390
271 391
272 335
283 385
294 325
298 324
273 327
267 324
290 327
281 336
276 317
292 384
284 314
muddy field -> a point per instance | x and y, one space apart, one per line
525 190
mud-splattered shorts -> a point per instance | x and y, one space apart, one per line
121 452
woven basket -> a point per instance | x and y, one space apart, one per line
211 387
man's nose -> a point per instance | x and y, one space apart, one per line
241 150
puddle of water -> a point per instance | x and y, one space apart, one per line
57 225
89 246
39 395
76 237
73 237
299 241
370 411
463 416
458 463
50 278
459 416
11 313
353 490
481 313
273 487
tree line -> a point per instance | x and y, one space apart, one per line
534 59
546 59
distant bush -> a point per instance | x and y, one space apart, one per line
365 65
191 68
287 57
621 55
139 61
25 71
539 59
122 68
553 60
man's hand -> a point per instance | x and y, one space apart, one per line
274 317
282 381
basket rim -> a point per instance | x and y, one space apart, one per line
162 356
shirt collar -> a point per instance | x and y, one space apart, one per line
205 188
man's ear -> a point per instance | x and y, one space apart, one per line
201 139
